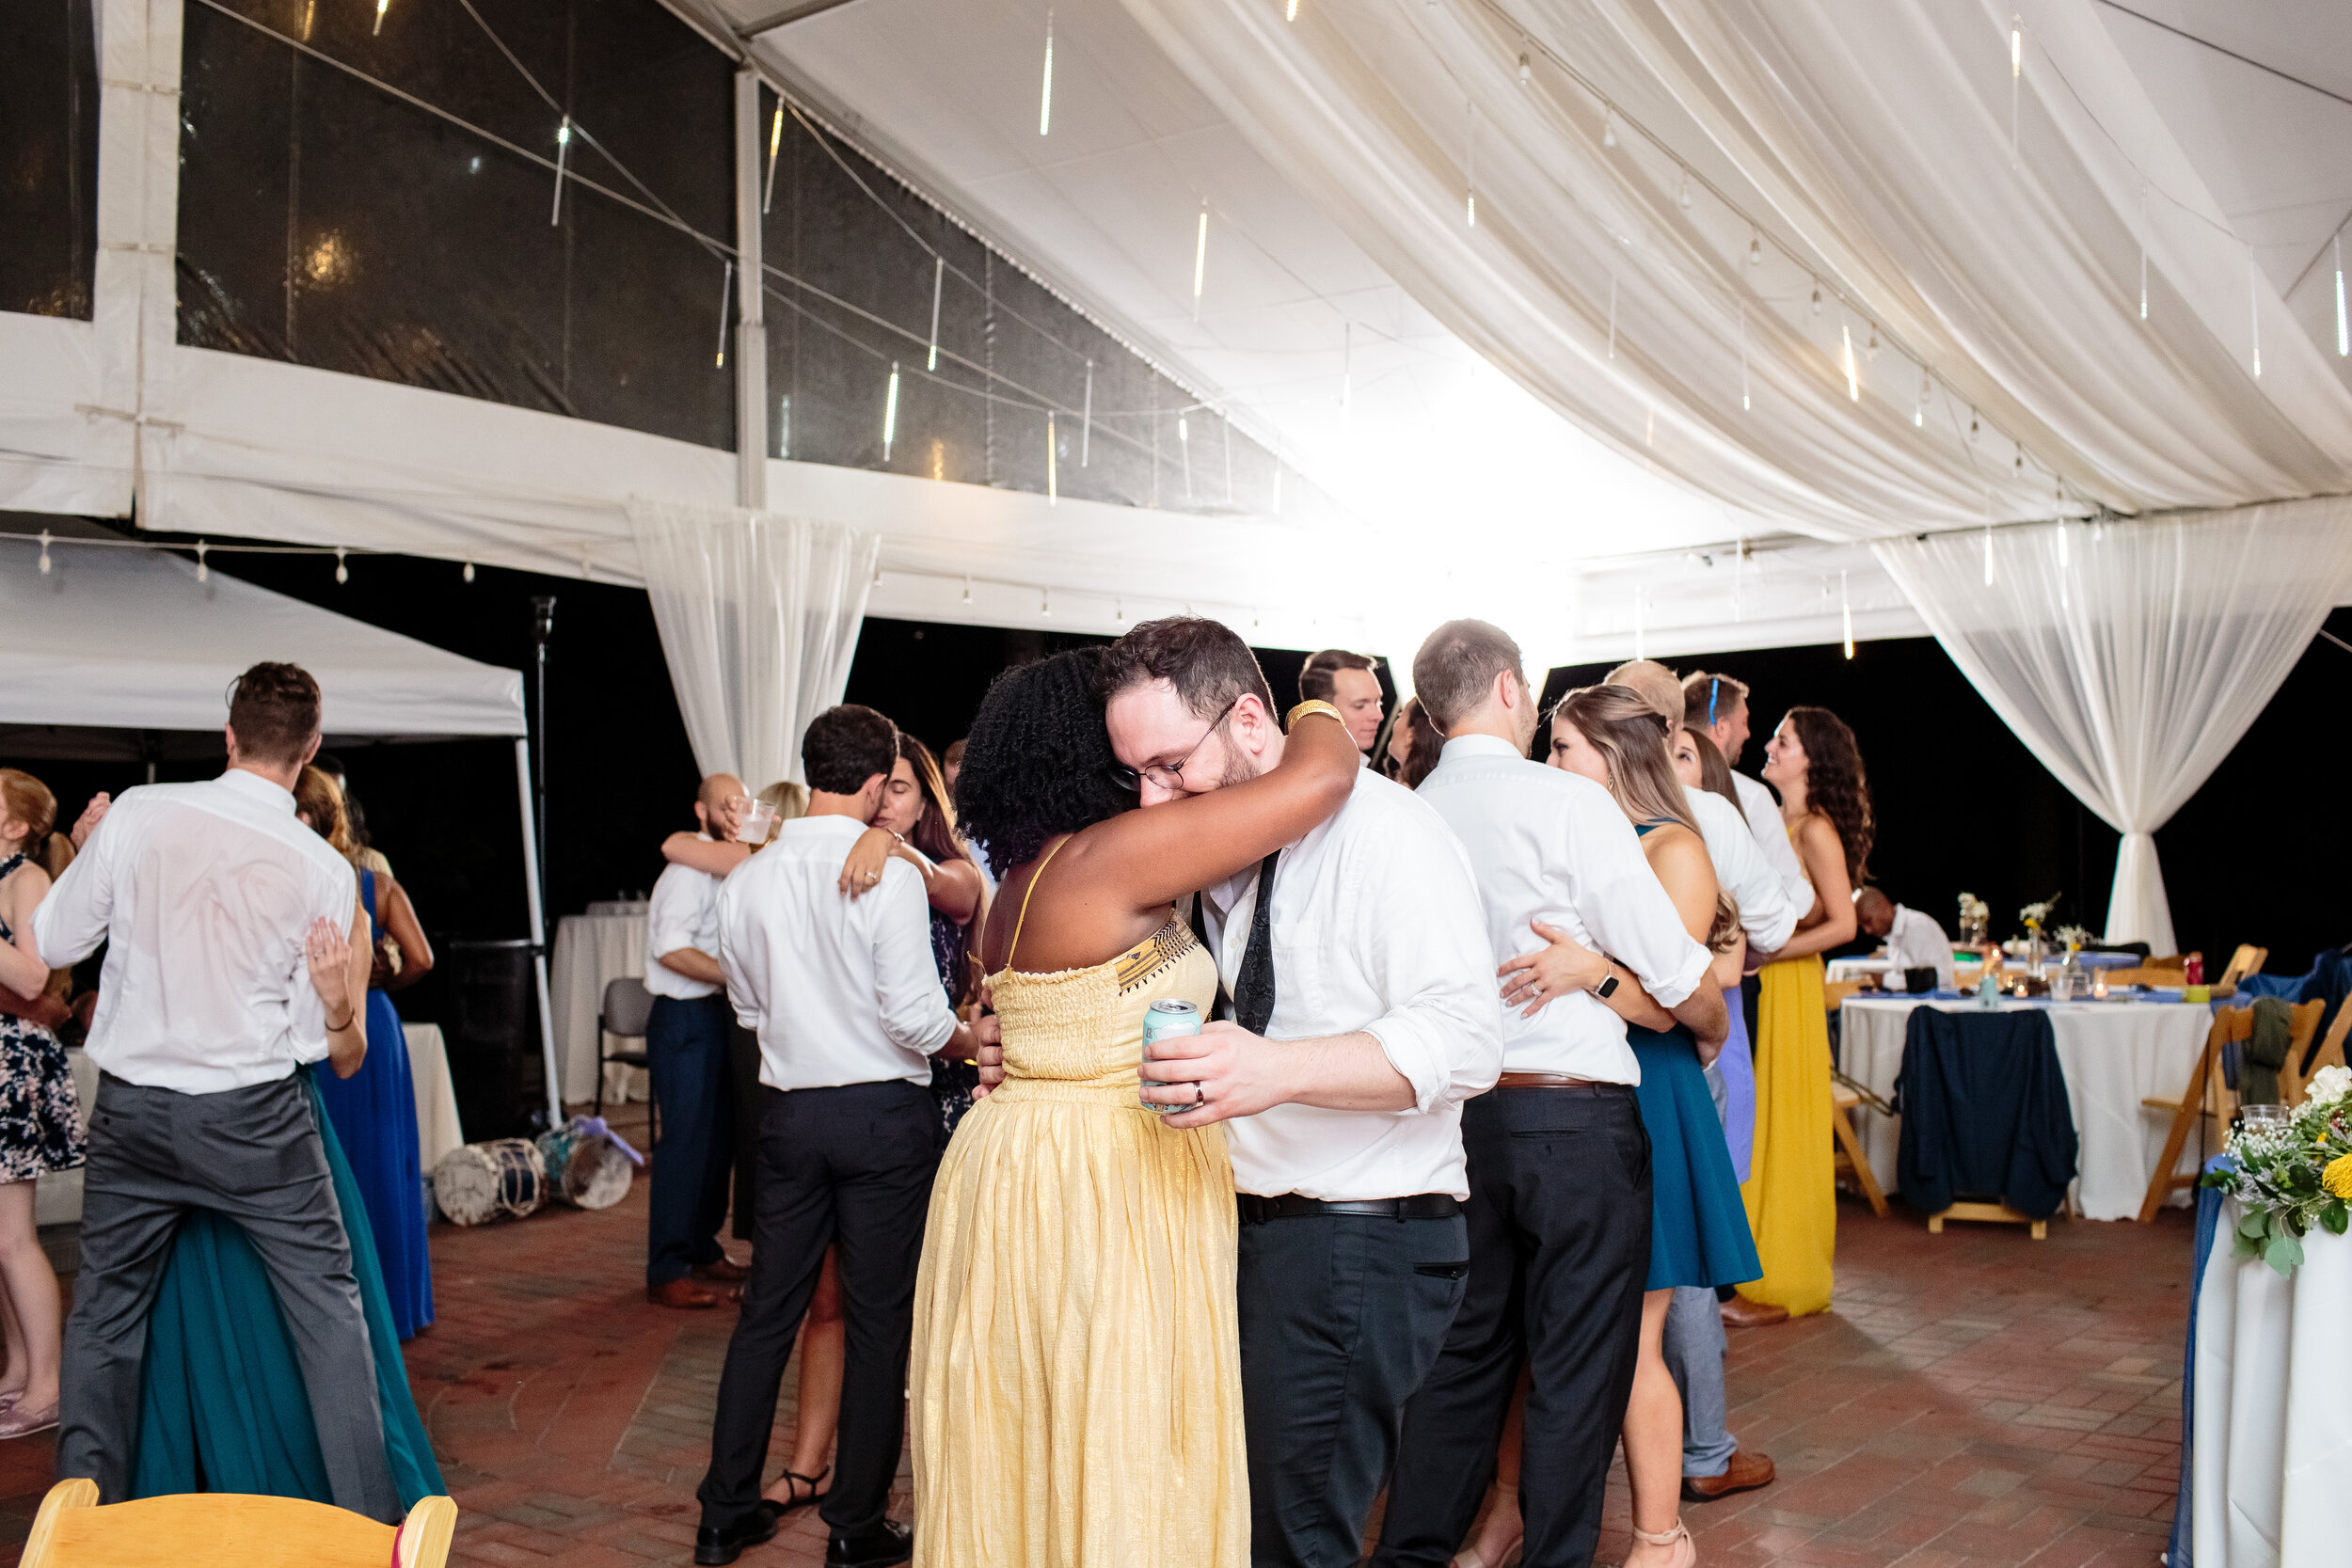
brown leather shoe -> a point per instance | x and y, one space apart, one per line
1740 1312
1746 1472
726 1271
682 1293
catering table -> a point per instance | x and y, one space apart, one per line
590 949
2273 1428
2113 1054
438 1130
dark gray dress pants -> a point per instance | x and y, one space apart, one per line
254 1155
1559 1254
1341 1317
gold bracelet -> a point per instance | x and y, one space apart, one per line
1312 705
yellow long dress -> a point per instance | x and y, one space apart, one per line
1792 1186
1076 1369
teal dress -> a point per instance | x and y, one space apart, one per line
1698 1223
222 1404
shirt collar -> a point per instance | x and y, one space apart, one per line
1480 745
246 781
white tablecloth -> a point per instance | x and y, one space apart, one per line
2113 1055
437 1130
591 949
2271 1477
1854 969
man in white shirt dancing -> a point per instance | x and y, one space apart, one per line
846 999
1363 1013
685 1055
215 903
1559 1207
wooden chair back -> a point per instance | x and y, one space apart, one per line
1833 992
2172 963
2119 978
2248 959
2294 1082
228 1529
2207 1095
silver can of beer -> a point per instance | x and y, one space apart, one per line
1168 1016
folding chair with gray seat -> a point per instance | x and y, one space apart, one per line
628 1005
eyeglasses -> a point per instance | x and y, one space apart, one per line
1171 775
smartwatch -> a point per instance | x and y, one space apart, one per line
1607 989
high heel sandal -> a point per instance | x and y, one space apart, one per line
1687 1558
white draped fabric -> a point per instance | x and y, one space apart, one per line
2130 656
759 618
1869 140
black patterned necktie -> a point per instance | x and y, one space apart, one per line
1253 988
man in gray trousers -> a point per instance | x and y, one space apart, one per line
227 965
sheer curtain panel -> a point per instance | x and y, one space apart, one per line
759 617
2131 656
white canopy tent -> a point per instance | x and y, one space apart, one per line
99 637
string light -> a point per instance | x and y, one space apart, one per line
1290 12
381 5
1184 443
1045 602
1853 383
1755 248
1119 607
343 569
1045 93
775 146
44 552
890 412
2016 76
1469 191
1872 352
562 152
1972 425
1816 299
1199 259
2254 308
203 573
1085 420
467 572
1745 404
1527 71
1053 480
1613 315
939 276
1608 125
727 286
1845 611
1919 409
2061 534
1988 538
2343 326
2144 250
878 572
1683 194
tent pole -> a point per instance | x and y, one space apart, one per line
538 931
750 331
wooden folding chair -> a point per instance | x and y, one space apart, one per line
2206 1095
2295 1085
1833 992
1851 1161
2248 959
228 1529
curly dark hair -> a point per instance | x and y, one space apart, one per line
1836 786
1038 761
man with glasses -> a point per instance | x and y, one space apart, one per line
685 1055
1358 1011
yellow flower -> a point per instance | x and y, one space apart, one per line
2337 1177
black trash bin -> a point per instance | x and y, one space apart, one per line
490 1013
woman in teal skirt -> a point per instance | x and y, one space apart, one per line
1698 1224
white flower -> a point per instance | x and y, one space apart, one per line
2330 1083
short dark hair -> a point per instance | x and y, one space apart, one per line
846 746
1207 662
1317 679
1038 761
275 710
1457 664
1703 697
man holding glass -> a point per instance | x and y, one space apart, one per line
686 1055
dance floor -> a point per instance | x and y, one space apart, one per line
1973 1400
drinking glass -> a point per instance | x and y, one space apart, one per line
758 818
2264 1118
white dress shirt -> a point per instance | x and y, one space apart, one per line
1374 927
1552 846
1916 942
1765 913
1771 835
204 894
683 913
841 990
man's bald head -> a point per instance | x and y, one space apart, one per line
1656 685
716 805
1874 911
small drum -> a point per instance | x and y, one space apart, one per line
584 1168
480 1183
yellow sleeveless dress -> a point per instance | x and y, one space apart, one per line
1076 1369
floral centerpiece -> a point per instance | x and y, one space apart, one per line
2290 1177
2075 938
1975 920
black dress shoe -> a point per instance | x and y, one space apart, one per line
715 1545
887 1544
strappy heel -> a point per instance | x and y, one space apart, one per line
1687 1558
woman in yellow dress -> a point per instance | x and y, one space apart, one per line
1791 1190
1076 1371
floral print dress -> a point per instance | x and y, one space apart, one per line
40 1115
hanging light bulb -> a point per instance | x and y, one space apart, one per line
939 278
890 412
1755 248
1972 424
1045 92
2016 74
1683 194
878 573
967 589
1988 540
726 288
1816 299
1608 125
1845 611
1743 359
775 146
203 573
1470 162
1290 12
2343 326
1119 610
1527 71
44 552
342 570
563 153
1199 259
1853 382
1045 601
2254 309
467 572
1872 352
1919 409
1053 481
2018 466
381 7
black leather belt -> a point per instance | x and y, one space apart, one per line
1290 1206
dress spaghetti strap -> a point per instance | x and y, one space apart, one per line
1021 919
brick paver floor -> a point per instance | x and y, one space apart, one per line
1972 1400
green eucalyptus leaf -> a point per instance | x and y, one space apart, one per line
2282 1255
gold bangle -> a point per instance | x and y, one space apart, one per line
1312 705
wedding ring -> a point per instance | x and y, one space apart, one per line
1535 985
1199 1094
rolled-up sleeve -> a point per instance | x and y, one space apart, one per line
1441 1022
914 1010
674 913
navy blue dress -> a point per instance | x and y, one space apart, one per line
1698 1224
374 1113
